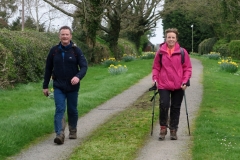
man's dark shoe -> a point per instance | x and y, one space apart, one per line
72 133
59 139
163 132
173 134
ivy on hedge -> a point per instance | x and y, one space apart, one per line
28 50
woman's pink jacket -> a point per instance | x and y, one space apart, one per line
170 73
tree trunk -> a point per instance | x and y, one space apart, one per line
113 36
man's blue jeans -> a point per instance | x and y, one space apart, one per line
61 99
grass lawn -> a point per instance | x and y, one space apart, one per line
216 134
26 114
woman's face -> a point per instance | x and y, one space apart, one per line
171 39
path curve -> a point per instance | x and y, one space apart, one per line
179 149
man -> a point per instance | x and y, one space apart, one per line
66 65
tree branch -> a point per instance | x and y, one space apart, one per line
60 9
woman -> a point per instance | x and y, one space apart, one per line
170 76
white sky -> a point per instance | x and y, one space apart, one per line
159 34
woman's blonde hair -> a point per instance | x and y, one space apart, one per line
174 30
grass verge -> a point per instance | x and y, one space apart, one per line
216 134
122 135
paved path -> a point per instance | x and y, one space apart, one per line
154 149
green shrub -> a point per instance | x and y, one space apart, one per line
214 55
147 55
224 50
27 52
206 45
128 47
228 65
29 49
93 54
7 69
128 58
101 51
195 54
108 62
118 69
234 48
221 46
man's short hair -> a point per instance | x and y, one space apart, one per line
65 27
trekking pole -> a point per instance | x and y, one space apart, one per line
186 111
154 88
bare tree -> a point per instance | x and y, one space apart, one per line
142 17
114 14
7 9
32 9
87 12
40 12
50 16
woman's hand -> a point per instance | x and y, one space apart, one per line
154 86
184 86
154 83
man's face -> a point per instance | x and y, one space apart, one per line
65 36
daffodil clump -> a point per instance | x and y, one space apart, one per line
228 65
128 58
51 95
117 69
148 55
214 55
51 90
109 61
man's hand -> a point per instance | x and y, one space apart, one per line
75 80
46 92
